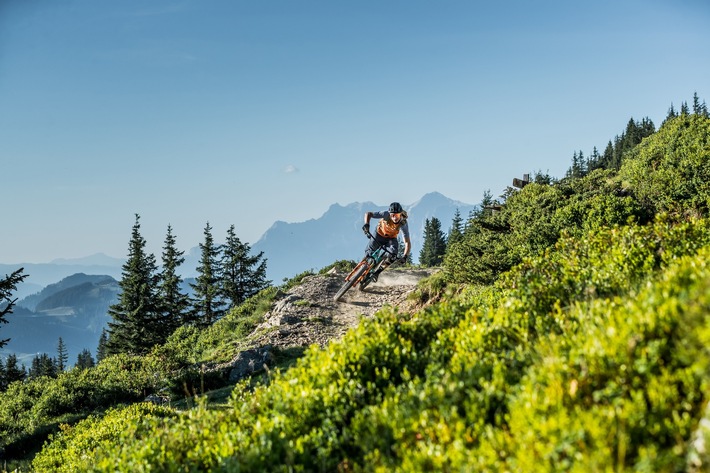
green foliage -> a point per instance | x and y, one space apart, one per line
670 171
590 357
340 265
431 289
72 448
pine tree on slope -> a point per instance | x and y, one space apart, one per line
174 304
62 356
434 245
456 230
208 307
136 314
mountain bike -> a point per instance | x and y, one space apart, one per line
364 273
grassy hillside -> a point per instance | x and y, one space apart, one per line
572 336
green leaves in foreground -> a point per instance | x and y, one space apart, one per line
592 358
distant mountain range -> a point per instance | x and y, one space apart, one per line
75 309
292 248
70 298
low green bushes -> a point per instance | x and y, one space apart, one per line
590 358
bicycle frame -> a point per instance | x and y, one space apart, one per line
373 260
362 274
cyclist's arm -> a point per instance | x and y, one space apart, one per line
369 215
407 241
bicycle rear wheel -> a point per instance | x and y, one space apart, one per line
352 280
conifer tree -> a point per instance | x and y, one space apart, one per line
487 201
696 104
243 275
101 350
136 314
62 356
456 230
7 286
3 376
434 245
174 304
207 304
84 360
14 372
608 156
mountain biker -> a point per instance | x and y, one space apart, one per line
391 222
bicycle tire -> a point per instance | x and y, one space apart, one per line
349 283
368 278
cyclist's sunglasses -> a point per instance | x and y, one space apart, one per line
396 215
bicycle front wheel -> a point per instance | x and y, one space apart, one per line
352 280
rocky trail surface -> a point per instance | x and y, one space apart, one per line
307 314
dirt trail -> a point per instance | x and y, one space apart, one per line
307 314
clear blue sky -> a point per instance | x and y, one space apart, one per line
248 112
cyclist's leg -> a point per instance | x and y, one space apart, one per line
374 243
392 246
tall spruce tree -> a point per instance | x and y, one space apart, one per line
696 104
243 275
434 245
62 356
8 285
136 316
207 303
456 231
174 304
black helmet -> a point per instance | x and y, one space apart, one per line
395 208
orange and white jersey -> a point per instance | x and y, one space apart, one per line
388 228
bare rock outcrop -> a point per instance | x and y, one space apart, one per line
307 315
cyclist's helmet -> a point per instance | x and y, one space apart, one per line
395 208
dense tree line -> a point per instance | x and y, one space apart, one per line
151 304
42 365
635 132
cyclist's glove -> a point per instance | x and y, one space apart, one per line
402 260
366 229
